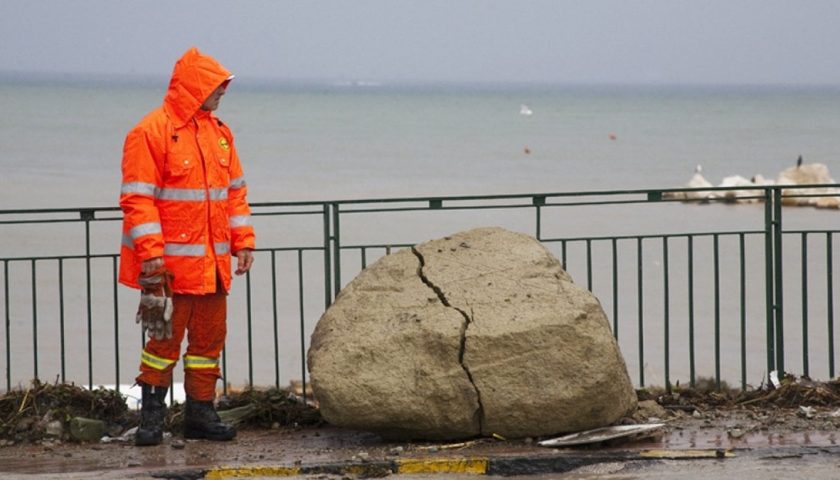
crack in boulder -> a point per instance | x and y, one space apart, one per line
464 325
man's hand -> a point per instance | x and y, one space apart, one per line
155 311
244 260
151 265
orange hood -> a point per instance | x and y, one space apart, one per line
194 78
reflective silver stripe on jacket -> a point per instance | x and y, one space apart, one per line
184 249
190 194
144 229
240 221
141 188
185 194
237 182
221 248
218 194
127 241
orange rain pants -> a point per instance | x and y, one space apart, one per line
204 318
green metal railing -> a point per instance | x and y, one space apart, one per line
71 307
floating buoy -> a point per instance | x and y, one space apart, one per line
612 136
527 151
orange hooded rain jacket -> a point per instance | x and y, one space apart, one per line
183 194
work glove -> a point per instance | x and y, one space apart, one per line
155 311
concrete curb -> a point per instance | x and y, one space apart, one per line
499 465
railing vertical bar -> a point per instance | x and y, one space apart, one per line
224 374
563 255
538 223
275 319
743 297
768 280
589 264
829 283
640 280
250 329
364 258
8 326
716 250
327 257
61 338
615 286
805 369
691 360
115 273
35 318
666 310
302 323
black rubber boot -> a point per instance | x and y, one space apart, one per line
202 421
152 415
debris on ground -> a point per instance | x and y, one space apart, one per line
66 412
44 412
47 410
793 392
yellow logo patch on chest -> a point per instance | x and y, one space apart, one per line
224 143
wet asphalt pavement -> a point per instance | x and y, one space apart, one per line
332 453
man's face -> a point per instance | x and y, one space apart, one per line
213 100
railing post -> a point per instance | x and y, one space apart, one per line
87 216
336 250
777 271
769 280
538 201
327 257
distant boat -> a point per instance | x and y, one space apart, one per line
524 110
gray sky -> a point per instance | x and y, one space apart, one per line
559 41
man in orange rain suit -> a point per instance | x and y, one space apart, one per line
183 198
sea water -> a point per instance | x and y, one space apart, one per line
62 147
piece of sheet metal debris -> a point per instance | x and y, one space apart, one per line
600 435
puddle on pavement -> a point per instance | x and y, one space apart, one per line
701 439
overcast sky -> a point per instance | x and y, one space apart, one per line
554 41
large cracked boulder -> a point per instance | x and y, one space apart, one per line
478 333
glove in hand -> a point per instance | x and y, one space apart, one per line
155 311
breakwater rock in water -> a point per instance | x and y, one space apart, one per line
478 333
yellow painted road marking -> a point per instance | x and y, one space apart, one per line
244 472
445 465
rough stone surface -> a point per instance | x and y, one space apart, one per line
86 429
479 333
